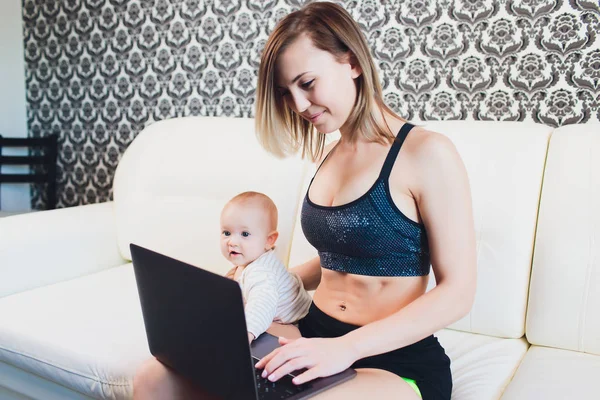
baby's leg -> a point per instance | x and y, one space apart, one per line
285 330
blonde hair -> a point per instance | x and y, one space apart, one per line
330 28
261 200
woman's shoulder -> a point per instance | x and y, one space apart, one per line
433 156
427 147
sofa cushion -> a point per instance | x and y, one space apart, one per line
481 365
18 384
86 334
505 164
175 178
41 248
555 374
564 303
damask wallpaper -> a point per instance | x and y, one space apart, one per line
98 71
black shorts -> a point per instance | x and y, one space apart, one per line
425 361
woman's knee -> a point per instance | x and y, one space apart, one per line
153 380
149 377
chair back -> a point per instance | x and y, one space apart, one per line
42 157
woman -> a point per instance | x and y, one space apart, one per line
388 200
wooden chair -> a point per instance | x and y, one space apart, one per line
42 163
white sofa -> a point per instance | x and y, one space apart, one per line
70 320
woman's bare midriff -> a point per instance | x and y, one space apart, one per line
359 299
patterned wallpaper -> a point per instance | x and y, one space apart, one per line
98 71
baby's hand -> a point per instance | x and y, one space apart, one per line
250 337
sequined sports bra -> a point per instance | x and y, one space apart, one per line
370 235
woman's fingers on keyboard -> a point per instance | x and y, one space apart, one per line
283 341
286 354
308 375
265 360
289 367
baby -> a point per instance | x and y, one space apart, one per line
270 291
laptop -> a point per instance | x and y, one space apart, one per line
195 324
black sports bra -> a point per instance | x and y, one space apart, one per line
370 235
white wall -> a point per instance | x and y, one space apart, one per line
13 120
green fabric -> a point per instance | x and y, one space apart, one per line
413 385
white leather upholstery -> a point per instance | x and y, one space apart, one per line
564 303
93 348
505 164
97 358
41 248
553 374
23 385
482 366
175 178
81 334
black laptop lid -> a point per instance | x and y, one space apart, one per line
204 338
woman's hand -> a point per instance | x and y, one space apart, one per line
320 356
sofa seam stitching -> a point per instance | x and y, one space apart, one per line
586 291
535 233
62 368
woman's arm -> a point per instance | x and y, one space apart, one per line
444 201
310 273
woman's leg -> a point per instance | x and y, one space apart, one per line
370 383
153 380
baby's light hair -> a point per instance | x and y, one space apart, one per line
260 199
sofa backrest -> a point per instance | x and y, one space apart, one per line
564 300
301 251
505 164
176 176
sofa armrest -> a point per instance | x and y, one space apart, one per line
40 248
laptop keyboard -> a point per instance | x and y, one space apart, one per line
282 389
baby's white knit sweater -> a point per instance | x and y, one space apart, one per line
271 293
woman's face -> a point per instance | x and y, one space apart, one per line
315 85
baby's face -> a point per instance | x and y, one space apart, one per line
244 233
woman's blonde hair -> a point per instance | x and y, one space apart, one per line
330 27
